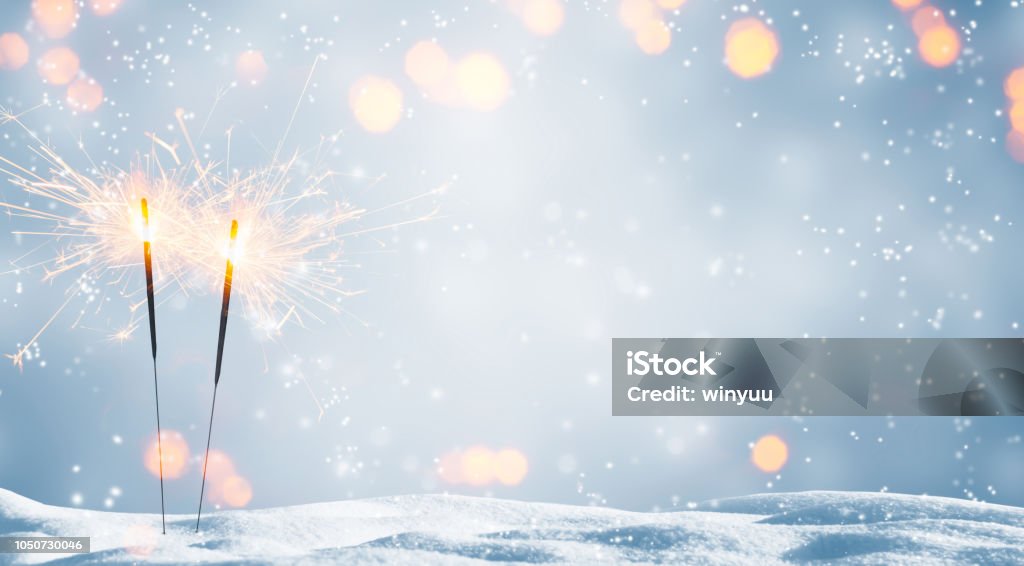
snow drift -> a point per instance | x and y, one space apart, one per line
837 527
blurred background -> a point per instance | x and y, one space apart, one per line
609 168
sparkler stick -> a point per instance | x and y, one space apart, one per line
147 251
228 273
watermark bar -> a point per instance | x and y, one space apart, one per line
49 545
818 377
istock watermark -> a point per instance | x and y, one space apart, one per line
818 376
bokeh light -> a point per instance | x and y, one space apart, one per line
1014 89
477 465
251 67
55 18
175 451
769 453
480 466
237 491
482 81
376 103
1014 85
59 66
224 485
510 466
939 46
543 17
654 37
925 19
1017 116
670 4
219 468
1015 145
85 94
449 467
427 64
13 51
751 48
478 81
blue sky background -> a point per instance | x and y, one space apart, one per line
612 194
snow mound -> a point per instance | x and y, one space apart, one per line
841 508
837 527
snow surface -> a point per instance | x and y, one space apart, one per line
833 527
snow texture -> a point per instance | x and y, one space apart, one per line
831 527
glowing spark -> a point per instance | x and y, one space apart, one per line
124 334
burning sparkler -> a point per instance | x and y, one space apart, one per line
147 252
225 304
292 236
96 223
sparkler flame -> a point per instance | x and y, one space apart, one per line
147 235
234 239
